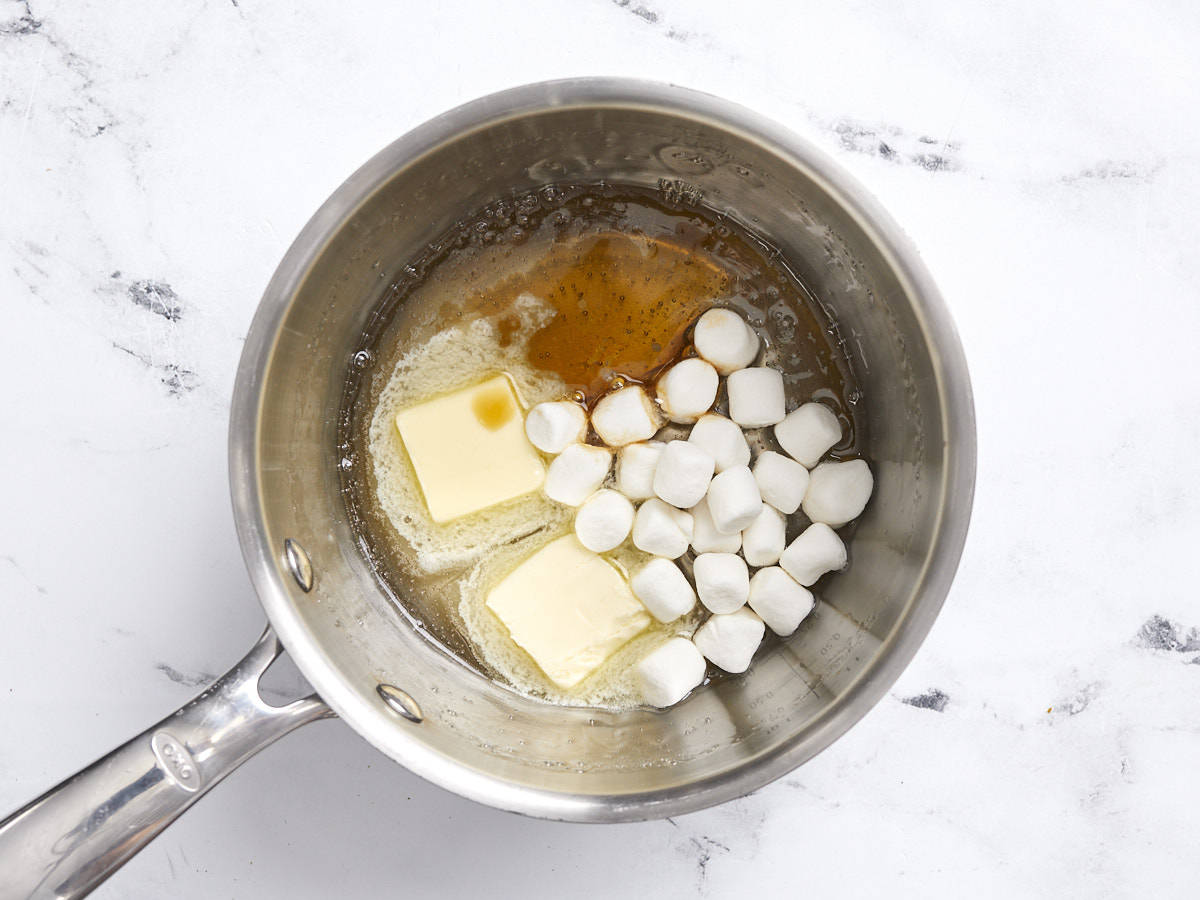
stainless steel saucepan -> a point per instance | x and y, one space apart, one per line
369 666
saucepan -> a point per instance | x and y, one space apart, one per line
372 666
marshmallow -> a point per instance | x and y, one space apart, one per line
756 397
661 529
724 339
688 390
553 427
603 521
706 538
722 581
668 673
733 500
816 551
635 469
764 538
625 416
838 492
723 439
729 641
663 589
808 432
576 473
779 601
781 481
682 474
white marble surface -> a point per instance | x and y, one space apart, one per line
1043 156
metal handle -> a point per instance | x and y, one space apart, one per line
66 842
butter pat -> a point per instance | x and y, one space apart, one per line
569 609
469 449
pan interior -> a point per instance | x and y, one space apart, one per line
567 290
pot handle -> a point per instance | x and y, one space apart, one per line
67 841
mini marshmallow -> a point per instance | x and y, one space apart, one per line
604 520
779 601
733 500
669 673
722 581
724 339
808 432
661 529
576 473
682 474
816 551
553 427
724 440
764 538
729 641
706 538
688 390
838 492
635 469
663 590
625 416
781 481
756 397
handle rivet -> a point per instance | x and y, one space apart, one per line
400 702
298 564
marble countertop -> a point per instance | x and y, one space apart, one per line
156 160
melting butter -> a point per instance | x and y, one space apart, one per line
568 608
469 449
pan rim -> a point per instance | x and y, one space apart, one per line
930 588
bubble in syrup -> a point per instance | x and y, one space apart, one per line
363 359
